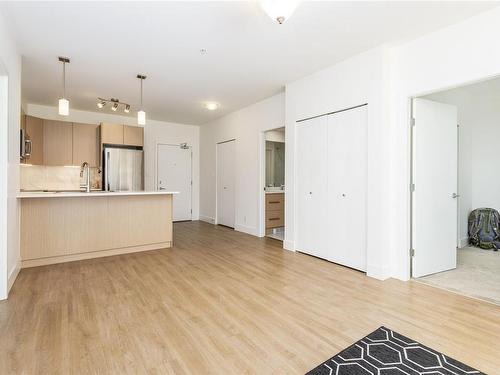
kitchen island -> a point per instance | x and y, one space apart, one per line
59 227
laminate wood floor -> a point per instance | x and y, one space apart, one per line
223 302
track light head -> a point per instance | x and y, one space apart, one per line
127 108
114 107
101 104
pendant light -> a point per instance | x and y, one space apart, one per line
279 10
141 115
63 102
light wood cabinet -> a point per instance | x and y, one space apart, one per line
133 135
57 142
34 129
112 133
85 144
275 210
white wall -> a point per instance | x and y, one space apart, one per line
275 136
154 132
10 67
246 127
358 80
479 119
459 54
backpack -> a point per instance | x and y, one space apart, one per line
484 228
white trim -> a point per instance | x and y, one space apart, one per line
207 219
246 229
4 167
13 276
378 272
289 245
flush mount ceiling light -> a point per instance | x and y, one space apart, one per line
63 102
279 10
101 102
141 115
211 106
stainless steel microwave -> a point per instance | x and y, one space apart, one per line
26 145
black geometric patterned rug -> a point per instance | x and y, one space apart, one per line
385 352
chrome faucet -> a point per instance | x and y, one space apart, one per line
85 166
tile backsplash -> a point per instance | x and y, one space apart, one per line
41 177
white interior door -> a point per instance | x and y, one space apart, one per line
347 186
434 200
174 174
311 185
226 183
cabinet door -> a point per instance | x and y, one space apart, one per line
133 135
85 144
34 129
57 143
346 167
112 134
313 231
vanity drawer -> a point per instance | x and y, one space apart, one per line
275 202
274 219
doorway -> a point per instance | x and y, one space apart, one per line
174 173
455 163
226 176
274 188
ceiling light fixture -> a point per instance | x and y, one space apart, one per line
63 102
141 115
279 10
211 106
101 102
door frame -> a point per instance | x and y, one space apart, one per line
216 219
6 280
262 182
156 167
409 150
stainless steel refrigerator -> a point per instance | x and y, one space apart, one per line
123 169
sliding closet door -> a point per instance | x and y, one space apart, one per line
347 187
311 186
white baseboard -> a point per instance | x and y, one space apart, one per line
377 272
207 219
463 242
288 245
246 229
13 276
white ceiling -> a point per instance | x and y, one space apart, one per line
249 56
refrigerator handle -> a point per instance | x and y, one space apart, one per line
106 171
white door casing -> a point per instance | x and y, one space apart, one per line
226 175
174 173
434 199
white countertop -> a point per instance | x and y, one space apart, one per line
275 192
95 193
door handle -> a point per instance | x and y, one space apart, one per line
455 195
161 188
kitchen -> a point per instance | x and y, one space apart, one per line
82 192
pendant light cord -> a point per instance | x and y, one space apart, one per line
64 80
141 92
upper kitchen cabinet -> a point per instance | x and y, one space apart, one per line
57 143
112 133
85 144
133 136
34 129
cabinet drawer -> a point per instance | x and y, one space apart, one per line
274 219
275 202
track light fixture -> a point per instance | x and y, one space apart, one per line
101 102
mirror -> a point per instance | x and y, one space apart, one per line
275 164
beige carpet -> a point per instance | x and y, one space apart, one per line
477 275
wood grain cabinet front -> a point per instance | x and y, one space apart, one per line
85 144
275 210
57 143
133 135
112 133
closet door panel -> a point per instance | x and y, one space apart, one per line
311 187
347 178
